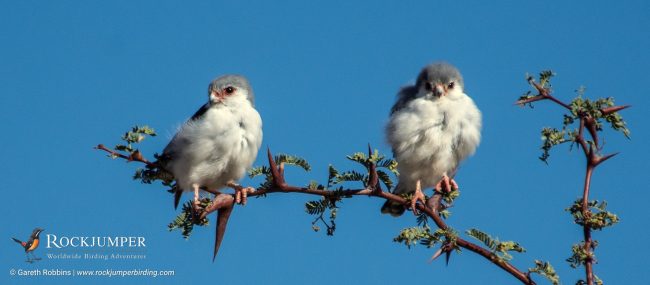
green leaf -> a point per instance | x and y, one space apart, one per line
545 78
138 134
258 170
499 248
350 176
292 160
598 219
423 235
546 269
384 178
359 157
423 220
332 175
389 164
185 221
318 208
552 137
579 255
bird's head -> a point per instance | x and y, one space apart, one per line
230 90
36 232
439 80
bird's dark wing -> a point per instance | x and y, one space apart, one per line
405 95
168 152
200 112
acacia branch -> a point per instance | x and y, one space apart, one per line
593 159
375 190
135 156
542 94
224 204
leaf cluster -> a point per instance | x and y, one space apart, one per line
593 109
580 255
580 109
151 174
319 208
186 220
552 137
379 160
136 135
499 248
280 159
546 269
545 82
423 235
597 217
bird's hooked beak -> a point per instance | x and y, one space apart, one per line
439 90
216 96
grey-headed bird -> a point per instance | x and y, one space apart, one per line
433 126
215 147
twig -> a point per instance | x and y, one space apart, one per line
135 156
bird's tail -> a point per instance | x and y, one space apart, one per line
393 208
178 193
18 241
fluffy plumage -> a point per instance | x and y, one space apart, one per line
220 142
433 126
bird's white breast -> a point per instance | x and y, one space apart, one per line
218 147
430 138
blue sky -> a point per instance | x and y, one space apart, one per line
75 74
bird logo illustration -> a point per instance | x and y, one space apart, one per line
31 245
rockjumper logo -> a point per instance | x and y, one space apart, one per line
106 241
31 245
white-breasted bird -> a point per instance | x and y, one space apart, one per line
433 126
217 145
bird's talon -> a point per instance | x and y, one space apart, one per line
454 185
418 196
241 194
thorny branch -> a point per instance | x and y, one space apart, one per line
224 204
591 149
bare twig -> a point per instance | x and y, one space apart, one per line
136 156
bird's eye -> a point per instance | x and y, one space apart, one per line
428 86
229 90
450 85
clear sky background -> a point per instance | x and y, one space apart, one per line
77 73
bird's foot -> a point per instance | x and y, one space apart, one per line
417 196
446 184
241 193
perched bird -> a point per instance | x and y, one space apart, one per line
215 147
31 244
433 126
